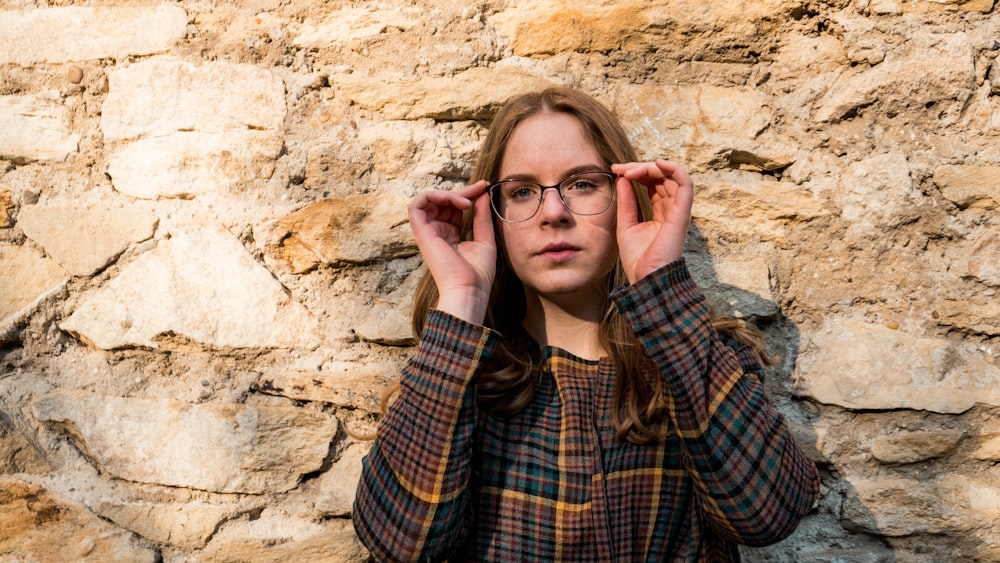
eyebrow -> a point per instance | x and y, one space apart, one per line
583 168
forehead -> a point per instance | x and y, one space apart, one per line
546 146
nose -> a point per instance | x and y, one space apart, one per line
551 208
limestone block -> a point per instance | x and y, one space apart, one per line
539 27
342 384
741 288
978 313
752 209
278 537
201 284
26 277
225 448
162 96
344 25
84 241
912 446
187 525
36 525
950 504
337 487
189 165
703 126
72 33
969 186
360 229
35 127
389 321
897 507
859 365
472 94
926 69
878 193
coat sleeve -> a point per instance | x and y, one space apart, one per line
754 484
413 500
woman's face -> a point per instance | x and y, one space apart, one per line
557 255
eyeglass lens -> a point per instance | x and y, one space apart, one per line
583 194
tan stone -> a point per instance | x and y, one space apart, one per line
227 448
866 366
343 384
473 94
35 128
277 537
76 33
186 286
984 260
187 525
99 235
356 230
969 186
913 446
26 277
6 208
989 448
36 525
337 487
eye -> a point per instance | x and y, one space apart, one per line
520 191
581 184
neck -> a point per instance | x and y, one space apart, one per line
572 324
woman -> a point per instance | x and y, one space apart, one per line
571 398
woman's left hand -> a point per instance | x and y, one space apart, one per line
645 247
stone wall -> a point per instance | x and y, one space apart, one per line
205 266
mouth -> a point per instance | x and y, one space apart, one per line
559 251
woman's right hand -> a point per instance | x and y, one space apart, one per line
463 270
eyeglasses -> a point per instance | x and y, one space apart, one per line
590 193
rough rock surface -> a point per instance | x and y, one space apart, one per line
206 272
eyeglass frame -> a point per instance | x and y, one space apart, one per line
558 188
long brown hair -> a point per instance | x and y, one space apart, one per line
507 386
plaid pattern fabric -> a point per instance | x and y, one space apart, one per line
445 480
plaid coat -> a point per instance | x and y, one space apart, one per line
446 480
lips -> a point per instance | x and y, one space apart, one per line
559 251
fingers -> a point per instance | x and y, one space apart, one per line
482 220
652 172
628 207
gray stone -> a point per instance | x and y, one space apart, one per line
226 448
35 128
75 33
200 284
98 235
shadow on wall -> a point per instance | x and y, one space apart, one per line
742 287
